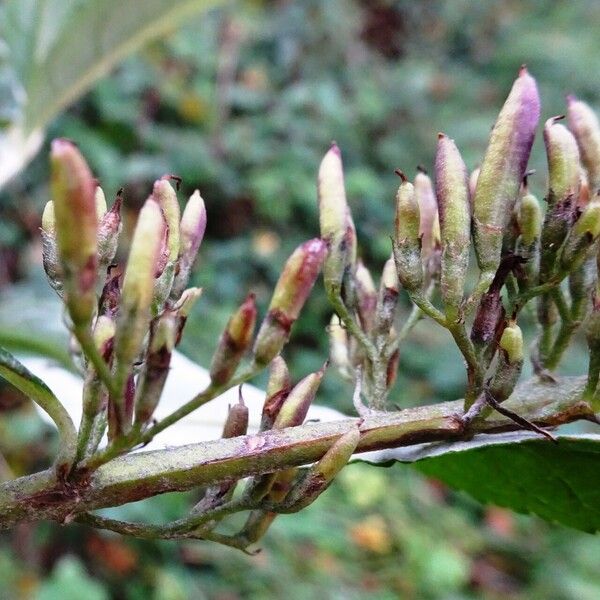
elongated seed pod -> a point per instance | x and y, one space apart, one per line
455 222
563 161
407 243
293 288
278 389
296 405
138 283
501 172
73 193
333 218
235 340
583 122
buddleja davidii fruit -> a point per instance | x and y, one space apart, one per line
502 171
291 292
337 227
583 122
452 193
76 225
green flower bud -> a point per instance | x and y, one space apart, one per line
234 342
333 218
138 283
192 228
278 389
321 474
164 195
455 222
293 288
73 188
583 122
366 296
529 220
501 172
583 234
407 243
109 229
49 249
563 161
428 211
294 408
510 363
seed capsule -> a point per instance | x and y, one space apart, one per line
501 172
293 288
455 222
234 342
407 243
563 161
583 122
73 191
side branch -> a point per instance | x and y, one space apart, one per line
145 474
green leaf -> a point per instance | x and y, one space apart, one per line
33 387
58 48
521 471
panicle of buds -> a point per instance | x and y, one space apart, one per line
294 408
138 283
73 194
278 389
563 161
583 122
455 222
293 288
502 170
234 342
192 228
407 243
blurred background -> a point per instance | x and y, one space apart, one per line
241 100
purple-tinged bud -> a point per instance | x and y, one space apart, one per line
389 289
366 296
235 340
320 475
73 189
110 298
581 236
49 250
109 229
455 222
490 313
407 241
339 347
563 161
192 228
501 173
510 363
293 410
333 218
100 202
138 283
278 389
151 382
428 211
236 423
293 288
104 333
583 122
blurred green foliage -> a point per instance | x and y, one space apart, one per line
242 104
